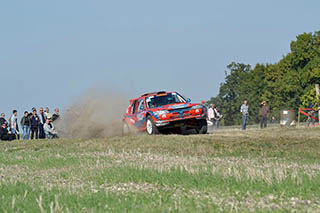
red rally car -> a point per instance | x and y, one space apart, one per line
164 111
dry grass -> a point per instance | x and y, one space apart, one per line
229 170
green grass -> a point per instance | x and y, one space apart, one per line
230 170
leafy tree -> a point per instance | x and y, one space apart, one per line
284 85
310 98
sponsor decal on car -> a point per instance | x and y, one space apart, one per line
180 106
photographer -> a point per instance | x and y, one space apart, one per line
6 135
264 114
50 130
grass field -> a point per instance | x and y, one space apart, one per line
230 170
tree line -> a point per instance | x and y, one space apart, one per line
287 84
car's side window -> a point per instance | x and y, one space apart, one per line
133 107
141 105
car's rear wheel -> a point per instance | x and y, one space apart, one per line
202 127
152 129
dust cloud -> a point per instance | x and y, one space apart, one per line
96 114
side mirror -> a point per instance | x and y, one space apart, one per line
188 100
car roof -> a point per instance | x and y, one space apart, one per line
151 94
155 93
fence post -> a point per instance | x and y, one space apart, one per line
299 117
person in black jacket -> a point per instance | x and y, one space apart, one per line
3 119
26 125
42 121
34 125
5 135
56 115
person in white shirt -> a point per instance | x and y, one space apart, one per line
245 114
14 124
212 115
47 113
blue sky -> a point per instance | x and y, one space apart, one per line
52 51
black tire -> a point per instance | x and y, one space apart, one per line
202 127
151 128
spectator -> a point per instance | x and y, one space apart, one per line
245 114
273 120
3 119
6 135
42 121
34 125
212 115
26 125
47 113
30 113
56 115
311 114
218 117
264 114
14 128
50 130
